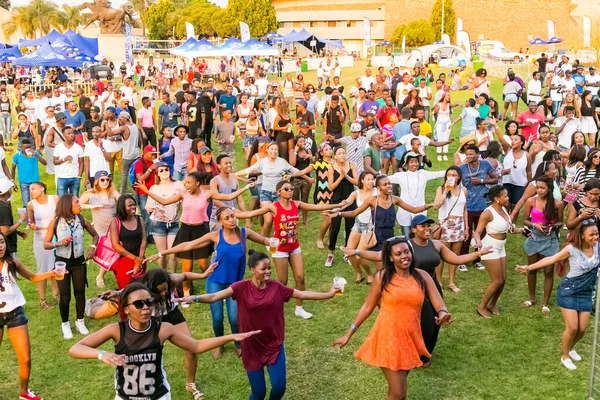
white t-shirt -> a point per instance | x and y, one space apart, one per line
2 157
402 90
593 80
262 85
405 140
550 67
424 93
534 86
564 137
58 102
94 153
11 296
554 94
570 86
68 169
367 81
127 93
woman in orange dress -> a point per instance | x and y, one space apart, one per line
395 343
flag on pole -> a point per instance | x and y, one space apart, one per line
128 44
367 31
550 28
244 31
587 31
403 44
189 30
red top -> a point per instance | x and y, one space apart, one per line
100 86
138 168
383 115
190 77
286 227
535 119
261 309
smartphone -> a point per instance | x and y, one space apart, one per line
526 231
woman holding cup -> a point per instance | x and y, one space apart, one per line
230 256
65 235
40 211
12 315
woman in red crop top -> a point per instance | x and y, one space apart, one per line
194 219
285 221
544 215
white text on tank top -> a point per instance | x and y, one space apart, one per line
518 175
10 294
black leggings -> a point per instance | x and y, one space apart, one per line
78 275
336 224
429 328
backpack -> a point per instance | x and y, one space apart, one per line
132 177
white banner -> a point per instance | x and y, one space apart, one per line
446 38
550 28
189 30
587 31
244 31
128 45
459 24
463 41
403 44
367 31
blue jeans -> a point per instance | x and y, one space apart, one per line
25 196
141 200
216 310
277 376
180 175
67 185
555 108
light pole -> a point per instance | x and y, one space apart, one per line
443 7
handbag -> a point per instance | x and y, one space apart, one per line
106 257
436 229
98 308
370 238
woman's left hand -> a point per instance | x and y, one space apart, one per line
444 319
522 268
90 253
209 270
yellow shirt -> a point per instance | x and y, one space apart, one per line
426 129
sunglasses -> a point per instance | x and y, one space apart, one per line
160 170
104 180
588 222
288 189
514 163
395 238
139 304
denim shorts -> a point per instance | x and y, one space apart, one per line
362 227
255 191
13 319
510 98
248 141
387 154
286 254
159 228
266 195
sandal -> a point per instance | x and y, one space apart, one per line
359 281
453 287
527 303
320 244
44 305
197 395
57 298
545 310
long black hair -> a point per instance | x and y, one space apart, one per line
121 208
550 210
457 183
389 269
8 258
152 279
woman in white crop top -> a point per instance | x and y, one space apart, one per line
496 221
363 225
451 198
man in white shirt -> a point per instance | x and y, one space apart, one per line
556 85
96 157
592 82
58 100
262 84
367 79
566 127
127 90
569 84
534 88
68 164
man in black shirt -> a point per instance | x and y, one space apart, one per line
222 91
194 115
304 116
93 121
7 223
333 118
541 63
207 105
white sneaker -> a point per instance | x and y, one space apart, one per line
300 312
480 266
439 158
66 330
80 326
568 364
445 157
573 354
329 261
463 268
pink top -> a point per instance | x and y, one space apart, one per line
145 115
537 216
194 208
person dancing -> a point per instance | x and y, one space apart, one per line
401 288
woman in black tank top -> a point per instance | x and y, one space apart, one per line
138 347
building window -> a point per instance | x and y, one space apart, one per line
332 24
352 24
314 24
296 24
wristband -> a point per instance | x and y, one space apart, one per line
93 246
247 187
20 221
353 327
197 299
444 310
101 354
356 252
159 254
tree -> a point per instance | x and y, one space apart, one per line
449 18
159 26
418 33
39 17
258 14
70 17
142 9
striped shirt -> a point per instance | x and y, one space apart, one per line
181 149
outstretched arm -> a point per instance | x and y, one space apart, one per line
306 295
254 213
546 261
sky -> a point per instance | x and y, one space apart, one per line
115 3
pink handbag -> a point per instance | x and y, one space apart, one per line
106 257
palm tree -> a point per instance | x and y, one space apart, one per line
38 17
71 17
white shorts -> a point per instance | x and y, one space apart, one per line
498 250
283 254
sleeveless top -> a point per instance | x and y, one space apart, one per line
343 190
74 251
26 134
453 206
385 220
537 216
142 376
131 240
11 296
245 111
322 194
231 259
5 106
428 258
252 130
224 188
102 216
518 175
43 214
366 216
443 115
194 208
164 146
285 223
498 224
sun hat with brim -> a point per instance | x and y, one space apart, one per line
420 220
408 156
466 139
187 129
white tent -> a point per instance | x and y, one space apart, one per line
445 51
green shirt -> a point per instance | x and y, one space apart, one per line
418 79
375 157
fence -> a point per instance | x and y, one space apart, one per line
36 87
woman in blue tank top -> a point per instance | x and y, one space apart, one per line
231 258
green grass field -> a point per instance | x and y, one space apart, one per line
513 356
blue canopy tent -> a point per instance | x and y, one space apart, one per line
11 51
537 41
271 35
554 40
87 45
46 56
231 41
310 41
49 38
385 43
203 48
84 58
188 44
254 47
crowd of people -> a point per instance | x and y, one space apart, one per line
181 180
